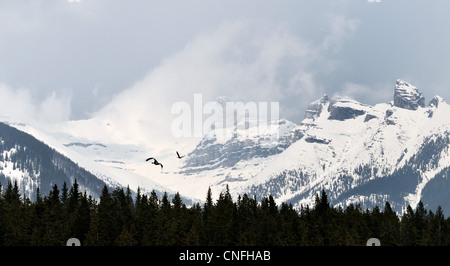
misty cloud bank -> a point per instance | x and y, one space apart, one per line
65 60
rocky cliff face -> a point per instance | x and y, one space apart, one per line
357 153
407 96
315 108
213 152
344 109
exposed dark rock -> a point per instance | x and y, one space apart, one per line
407 96
311 139
315 108
369 117
436 101
342 113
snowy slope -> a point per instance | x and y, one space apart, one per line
344 147
358 153
363 143
117 165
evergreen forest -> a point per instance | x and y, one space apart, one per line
119 219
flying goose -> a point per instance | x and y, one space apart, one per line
178 155
155 162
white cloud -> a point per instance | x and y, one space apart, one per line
25 17
290 53
243 60
54 109
340 29
18 103
381 93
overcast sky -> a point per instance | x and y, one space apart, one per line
73 59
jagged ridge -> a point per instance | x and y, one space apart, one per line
357 153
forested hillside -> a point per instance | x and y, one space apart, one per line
34 164
119 219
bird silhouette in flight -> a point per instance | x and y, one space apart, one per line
155 162
178 155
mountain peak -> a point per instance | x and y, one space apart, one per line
316 107
436 101
407 96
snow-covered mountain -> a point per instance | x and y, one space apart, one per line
396 152
37 157
357 153
31 164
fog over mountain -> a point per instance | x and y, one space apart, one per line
358 153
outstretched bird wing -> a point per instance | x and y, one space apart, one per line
179 157
151 158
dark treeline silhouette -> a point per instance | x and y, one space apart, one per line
117 218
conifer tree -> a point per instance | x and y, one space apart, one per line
178 229
54 220
163 234
2 216
268 222
408 230
106 231
64 194
195 225
140 222
146 217
324 220
73 197
125 238
123 210
82 219
246 214
224 219
438 227
118 220
290 229
208 219
390 227
38 229
420 221
14 224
